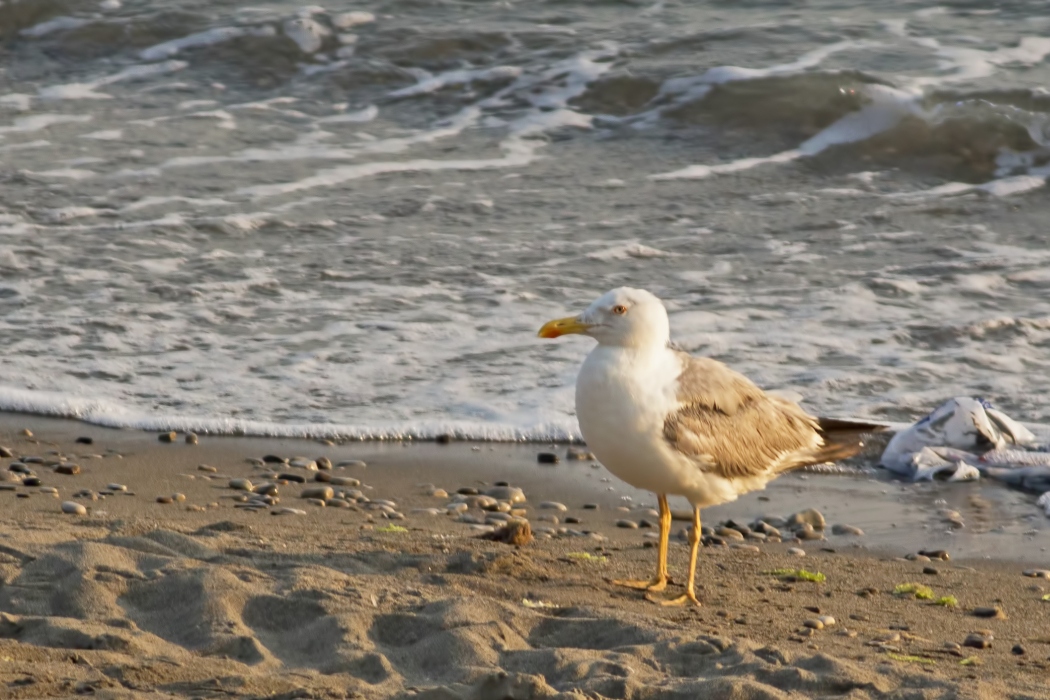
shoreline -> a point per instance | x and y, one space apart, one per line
331 601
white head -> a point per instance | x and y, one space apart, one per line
622 317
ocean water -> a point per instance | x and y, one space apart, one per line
350 220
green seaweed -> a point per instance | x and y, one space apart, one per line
800 574
916 590
970 661
1046 597
947 601
910 658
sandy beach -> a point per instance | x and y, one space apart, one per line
204 597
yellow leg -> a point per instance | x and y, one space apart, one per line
694 548
659 582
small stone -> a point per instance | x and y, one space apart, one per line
848 530
439 493
515 532
547 458
293 478
994 612
167 437
572 520
935 554
6 453
930 571
73 508
575 453
647 524
627 524
33 460
27 432
977 641
178 497
337 503
303 463
796 551
552 505
116 487
351 463
68 469
82 441
828 620
274 459
812 517
809 535
206 468
19 467
745 547
31 481
1037 573
1018 650
323 463
548 518
320 492
590 506
240 485
814 624
511 494
319 502
457 508
191 438
266 490
467 491
344 481
288 511
165 499
729 533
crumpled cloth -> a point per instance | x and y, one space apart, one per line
962 438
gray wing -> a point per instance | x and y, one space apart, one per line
731 428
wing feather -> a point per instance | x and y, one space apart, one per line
731 428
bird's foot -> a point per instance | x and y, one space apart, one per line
687 597
653 585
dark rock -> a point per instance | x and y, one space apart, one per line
935 554
274 459
1018 650
443 439
6 452
977 641
547 458
930 571
68 469
572 520
31 481
467 491
994 612
590 506
84 441
167 437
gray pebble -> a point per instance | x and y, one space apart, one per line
796 551
319 492
552 505
6 452
167 437
206 468
393 515
427 511
590 506
240 485
814 624
811 517
289 511
191 438
745 547
1037 573
457 507
439 493
548 518
266 489
729 533
627 524
511 494
977 641
849 530
351 463
73 508
303 463
116 487
292 478
323 463
469 518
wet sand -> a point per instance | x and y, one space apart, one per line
205 598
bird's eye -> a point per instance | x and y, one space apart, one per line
619 309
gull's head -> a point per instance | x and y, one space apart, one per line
622 317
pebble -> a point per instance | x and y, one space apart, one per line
6 452
344 481
470 518
812 517
73 508
439 493
935 554
393 515
21 468
289 511
165 499
68 469
552 505
303 463
178 497
337 503
319 502
1018 650
167 437
293 478
274 459
572 520
497 517
27 432
320 492
191 438
579 454
79 441
850 530
809 535
240 485
467 491
828 620
814 624
729 533
547 458
796 551
206 468
745 547
427 511
590 506
930 571
323 463
627 524
31 481
511 494
643 523
350 463
978 640
32 459
457 508
116 487
266 489
49 489
994 612
548 518
1037 573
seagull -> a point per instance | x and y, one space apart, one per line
667 422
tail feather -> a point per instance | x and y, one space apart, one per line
842 438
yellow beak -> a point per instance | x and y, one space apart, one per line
563 326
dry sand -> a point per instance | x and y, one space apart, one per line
204 599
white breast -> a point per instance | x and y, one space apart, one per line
622 398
